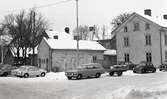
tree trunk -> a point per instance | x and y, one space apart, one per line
33 56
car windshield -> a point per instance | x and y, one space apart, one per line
22 68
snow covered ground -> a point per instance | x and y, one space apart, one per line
56 86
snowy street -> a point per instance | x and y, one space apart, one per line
56 86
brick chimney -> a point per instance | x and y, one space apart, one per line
165 16
147 12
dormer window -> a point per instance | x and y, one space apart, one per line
147 26
125 29
136 26
56 37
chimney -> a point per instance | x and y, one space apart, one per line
165 16
147 12
67 30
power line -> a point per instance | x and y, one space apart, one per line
53 4
41 6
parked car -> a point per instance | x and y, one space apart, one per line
26 71
117 69
5 69
129 64
163 67
144 67
85 71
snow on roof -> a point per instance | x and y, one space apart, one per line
61 35
110 52
158 20
72 44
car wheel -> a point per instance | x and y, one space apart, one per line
97 75
69 78
143 71
5 74
43 74
160 69
154 70
111 73
134 71
79 76
26 75
119 73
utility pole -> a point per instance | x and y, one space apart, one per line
77 33
33 48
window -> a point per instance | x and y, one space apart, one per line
126 55
148 57
39 62
125 29
75 37
46 61
147 26
55 37
94 58
136 27
43 61
165 56
165 39
126 41
148 39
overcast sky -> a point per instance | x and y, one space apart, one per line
91 12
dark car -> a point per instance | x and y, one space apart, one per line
129 64
117 69
144 67
86 71
6 69
163 67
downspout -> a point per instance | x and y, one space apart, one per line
160 47
50 60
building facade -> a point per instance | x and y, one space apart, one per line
142 38
58 54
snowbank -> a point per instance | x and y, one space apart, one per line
139 93
50 77
136 93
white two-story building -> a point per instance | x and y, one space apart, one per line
142 38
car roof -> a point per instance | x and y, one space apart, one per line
92 64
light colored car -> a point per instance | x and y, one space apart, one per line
85 71
26 71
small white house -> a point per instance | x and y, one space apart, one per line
60 54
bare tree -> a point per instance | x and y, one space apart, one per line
26 29
83 32
119 20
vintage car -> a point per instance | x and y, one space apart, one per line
144 67
85 71
163 67
27 71
117 69
5 69
129 64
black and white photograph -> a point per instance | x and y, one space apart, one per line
83 49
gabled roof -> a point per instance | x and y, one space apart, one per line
157 20
72 44
29 51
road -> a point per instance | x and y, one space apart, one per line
129 86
